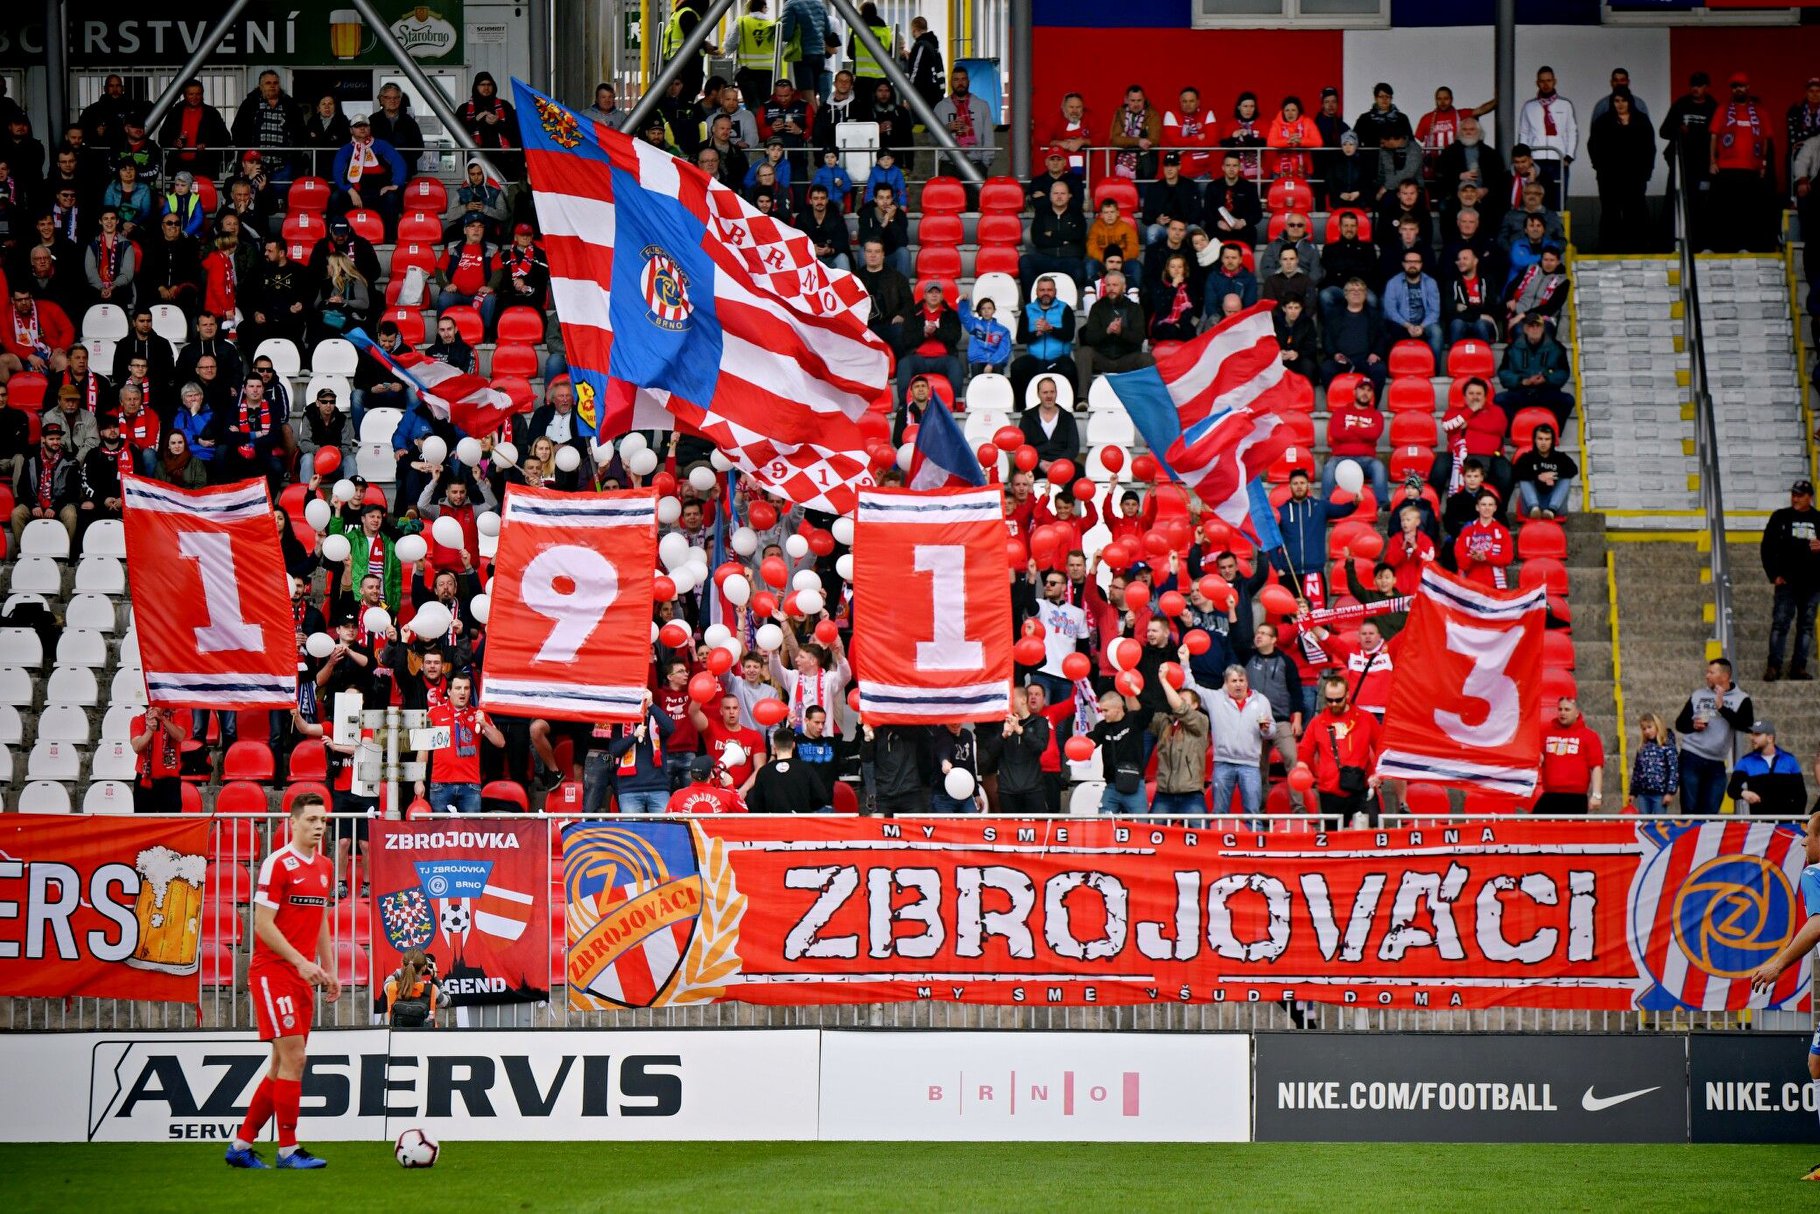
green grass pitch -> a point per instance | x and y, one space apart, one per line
503 1177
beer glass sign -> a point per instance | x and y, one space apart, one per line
168 911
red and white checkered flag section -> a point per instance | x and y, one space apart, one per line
569 634
1465 699
212 600
931 607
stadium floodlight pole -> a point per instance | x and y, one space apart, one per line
432 95
1504 75
672 68
1023 76
968 171
56 64
210 41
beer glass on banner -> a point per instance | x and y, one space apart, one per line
169 911
347 32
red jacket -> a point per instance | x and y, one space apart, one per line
1104 617
1353 735
1483 551
1408 561
1352 431
54 330
221 291
1367 675
1484 429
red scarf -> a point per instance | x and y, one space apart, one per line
265 417
801 700
1548 113
25 332
123 459
520 262
107 257
47 473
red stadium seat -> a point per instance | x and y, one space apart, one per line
208 194
221 922
292 501
241 797
368 225
305 226
1300 428
1298 387
229 880
1544 571
1275 225
1469 358
942 261
521 325
1523 426
996 259
951 290
1543 538
426 194
999 196
1423 798
1005 230
420 228
1412 358
309 761
1289 194
1121 190
307 194
1416 459
1412 430
353 918
519 389
845 801
1246 254
467 322
218 963
1291 459
410 324
509 791
304 788
1557 684
236 836
192 799
942 196
247 760
1339 388
425 257
25 391
351 964
1558 650
516 360
1410 394
1333 223
939 231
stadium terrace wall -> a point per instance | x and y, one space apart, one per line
795 1084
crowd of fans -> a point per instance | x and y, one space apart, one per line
1392 251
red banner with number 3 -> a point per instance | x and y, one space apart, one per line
932 607
569 637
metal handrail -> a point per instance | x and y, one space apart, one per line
1706 433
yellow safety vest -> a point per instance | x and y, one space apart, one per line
864 64
673 34
756 42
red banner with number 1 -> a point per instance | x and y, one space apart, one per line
569 637
932 607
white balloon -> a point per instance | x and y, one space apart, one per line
343 490
806 579
796 547
1112 660
469 451
733 755
715 634
683 578
435 450
810 602
905 454
673 550
843 565
335 548
487 522
733 647
377 619
317 513
567 458
411 548
481 607
1349 476
633 443
431 621
319 644
669 509
718 458
701 479
603 452
505 454
654 631
843 530
642 462
737 588
699 556
447 532
744 541
769 638
958 783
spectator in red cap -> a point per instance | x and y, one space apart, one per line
523 276
1740 210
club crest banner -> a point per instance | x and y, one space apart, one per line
472 894
1604 915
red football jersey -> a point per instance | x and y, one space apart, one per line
459 761
297 888
717 737
705 799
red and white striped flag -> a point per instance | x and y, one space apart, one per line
465 401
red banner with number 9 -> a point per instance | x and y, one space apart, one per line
569 637
931 607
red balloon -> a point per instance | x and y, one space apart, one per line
327 460
664 483
770 713
1180 532
1197 640
1125 653
1277 600
1301 778
1156 543
763 515
1213 586
1367 545
1173 674
1116 555
1218 534
1061 472
663 588
790 607
1015 554
1137 596
988 455
1008 438
1079 748
826 632
720 661
853 699
1129 683
1113 458
874 426
1144 468
880 454
1029 651
1033 627
1171 604
1076 666
910 432
704 687
821 543
1082 489
1025 458
774 571
674 635
763 604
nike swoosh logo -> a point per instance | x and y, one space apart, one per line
1594 1104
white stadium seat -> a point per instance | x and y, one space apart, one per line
340 385
376 462
129 649
114 760
63 723
108 797
45 537
101 351
20 599
117 725
1096 467
52 760
12 729
982 424
169 322
1065 290
72 685
16 686
1062 390
22 647
6 765
105 321
44 797
39 574
333 356
1114 428
286 361
128 686
91 610
82 647
1001 289
376 425
106 537
1101 397
858 142
101 575
1084 801
989 392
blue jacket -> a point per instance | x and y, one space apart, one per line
833 179
781 168
411 427
1522 360
647 774
804 28
1244 284
388 156
1059 342
1304 527
1398 297
198 427
987 341
893 177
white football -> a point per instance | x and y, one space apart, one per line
416 1149
455 920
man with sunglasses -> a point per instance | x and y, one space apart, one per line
1341 746
172 270
1064 625
1295 235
